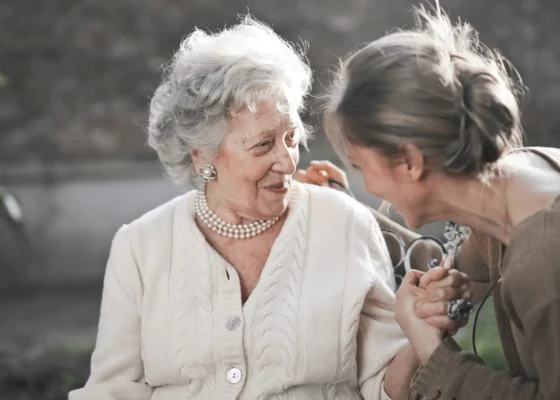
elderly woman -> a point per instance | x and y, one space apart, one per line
241 289
431 120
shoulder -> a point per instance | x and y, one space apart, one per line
546 152
531 263
540 230
153 231
542 158
330 201
147 241
354 224
159 218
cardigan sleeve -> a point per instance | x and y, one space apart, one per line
379 335
117 371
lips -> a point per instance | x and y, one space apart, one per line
280 185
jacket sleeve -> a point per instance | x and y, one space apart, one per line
530 290
117 371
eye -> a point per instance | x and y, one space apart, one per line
355 167
291 137
264 144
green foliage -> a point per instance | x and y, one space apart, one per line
48 377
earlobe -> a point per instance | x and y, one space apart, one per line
197 158
415 161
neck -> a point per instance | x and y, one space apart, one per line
218 203
236 230
483 207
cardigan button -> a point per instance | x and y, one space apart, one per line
233 323
234 375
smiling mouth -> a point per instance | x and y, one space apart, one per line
279 186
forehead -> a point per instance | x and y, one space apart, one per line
364 155
266 119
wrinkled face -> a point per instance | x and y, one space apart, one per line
396 180
255 162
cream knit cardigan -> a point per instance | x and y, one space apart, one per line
318 325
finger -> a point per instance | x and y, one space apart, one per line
443 322
412 277
432 309
448 263
463 322
441 294
433 275
409 290
454 278
459 325
301 176
447 293
467 293
319 177
332 170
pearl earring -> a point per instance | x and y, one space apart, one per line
208 172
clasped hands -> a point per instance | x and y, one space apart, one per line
421 307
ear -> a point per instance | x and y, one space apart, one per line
199 158
414 160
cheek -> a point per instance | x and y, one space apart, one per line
294 154
376 185
375 182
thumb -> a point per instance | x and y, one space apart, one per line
433 275
412 278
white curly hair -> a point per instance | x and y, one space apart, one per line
213 74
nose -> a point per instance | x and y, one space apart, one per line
287 160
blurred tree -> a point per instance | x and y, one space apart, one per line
81 71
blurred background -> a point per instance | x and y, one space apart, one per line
75 81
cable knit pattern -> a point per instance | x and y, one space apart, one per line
194 295
349 342
317 326
278 305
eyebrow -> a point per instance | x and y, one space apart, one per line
267 133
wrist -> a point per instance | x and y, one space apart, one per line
426 347
400 371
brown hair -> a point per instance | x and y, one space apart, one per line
436 87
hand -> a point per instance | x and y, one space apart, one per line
424 337
319 173
441 286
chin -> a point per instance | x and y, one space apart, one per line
274 209
410 220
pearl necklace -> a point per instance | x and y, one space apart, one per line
234 231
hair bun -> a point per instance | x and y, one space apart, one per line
489 121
